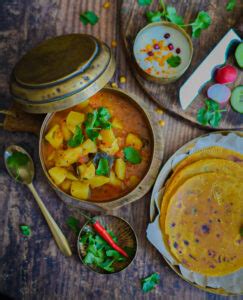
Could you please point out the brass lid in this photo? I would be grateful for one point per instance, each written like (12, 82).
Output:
(61, 72)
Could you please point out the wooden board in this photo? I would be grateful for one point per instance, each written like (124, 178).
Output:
(167, 96)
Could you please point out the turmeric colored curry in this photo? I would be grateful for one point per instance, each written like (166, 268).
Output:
(98, 150)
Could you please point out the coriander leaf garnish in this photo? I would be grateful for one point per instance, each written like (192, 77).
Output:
(230, 5)
(174, 61)
(89, 17)
(25, 230)
(144, 2)
(16, 160)
(148, 283)
(73, 224)
(210, 114)
(202, 21)
(241, 231)
(171, 15)
(103, 167)
(132, 155)
(77, 138)
(153, 16)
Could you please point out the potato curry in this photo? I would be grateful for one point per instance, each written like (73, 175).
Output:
(98, 150)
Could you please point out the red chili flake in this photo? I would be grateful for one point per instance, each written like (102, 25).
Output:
(171, 47)
(150, 53)
(167, 35)
(178, 50)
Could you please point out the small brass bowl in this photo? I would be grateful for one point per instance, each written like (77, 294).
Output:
(126, 239)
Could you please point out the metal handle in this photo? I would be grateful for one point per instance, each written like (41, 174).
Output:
(56, 231)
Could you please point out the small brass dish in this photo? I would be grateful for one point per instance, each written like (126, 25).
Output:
(127, 240)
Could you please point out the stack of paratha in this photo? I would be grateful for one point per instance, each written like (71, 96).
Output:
(201, 216)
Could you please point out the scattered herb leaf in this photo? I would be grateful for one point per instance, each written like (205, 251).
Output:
(132, 155)
(230, 5)
(25, 230)
(202, 21)
(144, 2)
(174, 61)
(100, 155)
(77, 138)
(153, 16)
(241, 231)
(103, 167)
(172, 16)
(149, 283)
(16, 160)
(89, 17)
(210, 114)
(73, 224)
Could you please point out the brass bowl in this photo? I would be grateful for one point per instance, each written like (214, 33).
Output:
(126, 238)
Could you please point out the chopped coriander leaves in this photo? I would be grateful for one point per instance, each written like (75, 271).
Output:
(132, 155)
(25, 230)
(203, 21)
(73, 224)
(172, 16)
(230, 5)
(16, 160)
(210, 114)
(241, 231)
(174, 61)
(103, 167)
(77, 138)
(153, 16)
(89, 17)
(144, 2)
(148, 283)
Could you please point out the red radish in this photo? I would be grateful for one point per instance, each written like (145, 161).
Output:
(226, 74)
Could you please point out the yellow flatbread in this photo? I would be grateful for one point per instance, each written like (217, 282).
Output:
(203, 224)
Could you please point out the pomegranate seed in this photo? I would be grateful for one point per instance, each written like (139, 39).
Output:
(170, 46)
(178, 50)
(150, 53)
(156, 46)
(167, 35)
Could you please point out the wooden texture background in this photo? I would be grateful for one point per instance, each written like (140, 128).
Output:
(168, 95)
(33, 268)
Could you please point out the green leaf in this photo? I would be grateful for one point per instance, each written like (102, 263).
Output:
(201, 116)
(132, 155)
(241, 231)
(149, 283)
(202, 21)
(210, 114)
(215, 119)
(174, 61)
(153, 16)
(77, 138)
(89, 17)
(230, 5)
(25, 230)
(171, 14)
(103, 167)
(73, 224)
(17, 159)
(144, 2)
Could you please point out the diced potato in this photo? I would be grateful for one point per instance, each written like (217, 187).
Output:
(66, 185)
(117, 124)
(107, 136)
(133, 180)
(82, 105)
(134, 141)
(64, 158)
(57, 174)
(80, 190)
(55, 136)
(89, 147)
(120, 168)
(86, 171)
(74, 118)
(71, 176)
(98, 181)
(110, 150)
(114, 180)
(67, 134)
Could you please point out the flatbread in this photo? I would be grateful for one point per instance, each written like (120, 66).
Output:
(203, 222)
(220, 166)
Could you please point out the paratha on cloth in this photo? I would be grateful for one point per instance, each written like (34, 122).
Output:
(203, 224)
(220, 166)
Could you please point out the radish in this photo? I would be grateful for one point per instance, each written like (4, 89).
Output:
(226, 74)
(219, 93)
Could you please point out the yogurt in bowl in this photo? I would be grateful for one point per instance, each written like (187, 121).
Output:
(162, 51)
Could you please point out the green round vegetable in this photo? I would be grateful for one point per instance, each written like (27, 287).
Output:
(236, 99)
(239, 55)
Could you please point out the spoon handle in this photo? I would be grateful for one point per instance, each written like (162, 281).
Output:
(56, 231)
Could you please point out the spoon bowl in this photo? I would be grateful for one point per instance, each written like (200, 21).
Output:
(25, 173)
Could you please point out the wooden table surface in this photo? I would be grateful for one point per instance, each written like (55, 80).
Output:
(33, 268)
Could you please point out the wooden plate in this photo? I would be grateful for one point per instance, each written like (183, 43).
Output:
(162, 177)
(167, 96)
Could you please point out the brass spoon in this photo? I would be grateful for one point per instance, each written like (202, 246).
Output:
(24, 174)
